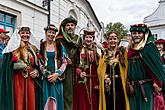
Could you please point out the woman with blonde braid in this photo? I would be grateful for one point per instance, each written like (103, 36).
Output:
(19, 70)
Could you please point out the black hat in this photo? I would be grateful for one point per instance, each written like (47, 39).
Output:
(139, 28)
(51, 27)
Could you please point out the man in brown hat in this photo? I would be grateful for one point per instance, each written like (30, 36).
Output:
(71, 42)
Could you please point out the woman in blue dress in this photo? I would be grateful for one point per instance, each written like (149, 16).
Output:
(52, 84)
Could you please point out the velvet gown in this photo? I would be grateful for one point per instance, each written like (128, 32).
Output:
(82, 98)
(86, 91)
(120, 98)
(53, 90)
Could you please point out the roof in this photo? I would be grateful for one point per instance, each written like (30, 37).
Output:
(93, 13)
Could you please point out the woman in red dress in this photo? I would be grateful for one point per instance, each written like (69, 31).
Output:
(19, 72)
(86, 93)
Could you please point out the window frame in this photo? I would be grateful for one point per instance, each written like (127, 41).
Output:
(4, 22)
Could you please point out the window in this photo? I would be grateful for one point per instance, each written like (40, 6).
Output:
(1, 17)
(7, 22)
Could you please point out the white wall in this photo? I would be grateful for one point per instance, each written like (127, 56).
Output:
(159, 31)
(34, 17)
(156, 21)
(31, 13)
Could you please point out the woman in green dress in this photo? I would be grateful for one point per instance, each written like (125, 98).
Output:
(52, 85)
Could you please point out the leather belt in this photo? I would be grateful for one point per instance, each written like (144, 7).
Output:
(140, 83)
(91, 76)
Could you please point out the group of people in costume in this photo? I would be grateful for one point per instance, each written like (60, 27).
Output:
(64, 71)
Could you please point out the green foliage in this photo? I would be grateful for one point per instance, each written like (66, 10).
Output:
(118, 28)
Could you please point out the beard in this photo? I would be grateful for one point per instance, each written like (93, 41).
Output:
(137, 40)
(70, 32)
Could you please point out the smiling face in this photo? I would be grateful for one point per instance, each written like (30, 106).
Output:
(88, 39)
(137, 37)
(113, 40)
(70, 28)
(25, 36)
(159, 46)
(50, 35)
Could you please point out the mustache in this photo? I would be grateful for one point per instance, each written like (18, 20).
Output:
(70, 29)
(136, 37)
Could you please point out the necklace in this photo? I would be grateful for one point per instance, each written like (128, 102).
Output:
(50, 48)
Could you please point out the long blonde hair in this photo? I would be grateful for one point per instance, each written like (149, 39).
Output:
(21, 52)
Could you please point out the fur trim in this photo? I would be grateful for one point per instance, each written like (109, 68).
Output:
(22, 51)
(43, 50)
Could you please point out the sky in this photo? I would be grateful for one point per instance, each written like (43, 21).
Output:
(125, 11)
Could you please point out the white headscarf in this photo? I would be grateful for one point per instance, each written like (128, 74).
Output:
(15, 41)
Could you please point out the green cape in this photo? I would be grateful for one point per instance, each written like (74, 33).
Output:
(138, 70)
(6, 84)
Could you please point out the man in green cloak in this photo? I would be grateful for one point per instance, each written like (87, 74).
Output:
(145, 70)
(71, 42)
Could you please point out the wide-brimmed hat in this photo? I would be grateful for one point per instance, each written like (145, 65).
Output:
(69, 19)
(51, 27)
(3, 31)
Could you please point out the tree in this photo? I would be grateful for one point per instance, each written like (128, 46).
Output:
(118, 28)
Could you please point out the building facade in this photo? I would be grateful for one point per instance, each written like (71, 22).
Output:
(156, 21)
(15, 13)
